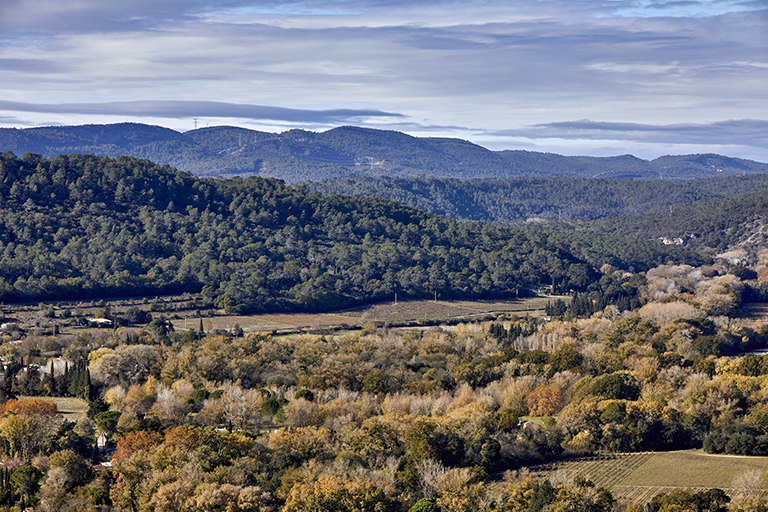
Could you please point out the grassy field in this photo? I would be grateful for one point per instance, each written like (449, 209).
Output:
(72, 408)
(637, 477)
(425, 309)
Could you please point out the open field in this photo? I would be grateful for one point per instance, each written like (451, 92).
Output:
(390, 312)
(267, 322)
(637, 477)
(184, 315)
(418, 309)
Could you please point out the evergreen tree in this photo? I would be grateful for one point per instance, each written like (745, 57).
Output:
(10, 371)
(63, 382)
(557, 308)
(49, 382)
(87, 388)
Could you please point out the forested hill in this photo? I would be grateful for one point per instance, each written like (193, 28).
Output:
(86, 226)
(299, 155)
(548, 198)
(718, 224)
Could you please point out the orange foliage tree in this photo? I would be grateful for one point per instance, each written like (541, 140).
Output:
(545, 401)
(131, 465)
(32, 407)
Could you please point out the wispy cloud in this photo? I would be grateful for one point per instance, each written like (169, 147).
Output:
(192, 109)
(748, 132)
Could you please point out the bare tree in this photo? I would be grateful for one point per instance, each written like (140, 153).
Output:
(749, 485)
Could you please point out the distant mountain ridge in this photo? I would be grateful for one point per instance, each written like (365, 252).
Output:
(300, 155)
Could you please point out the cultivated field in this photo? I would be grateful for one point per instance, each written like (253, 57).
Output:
(412, 311)
(426, 309)
(185, 315)
(267, 322)
(754, 313)
(637, 477)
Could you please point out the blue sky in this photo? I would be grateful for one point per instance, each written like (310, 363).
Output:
(587, 77)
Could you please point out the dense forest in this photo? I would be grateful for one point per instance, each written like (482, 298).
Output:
(515, 199)
(301, 155)
(87, 226)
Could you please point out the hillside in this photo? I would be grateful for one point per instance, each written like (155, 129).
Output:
(86, 226)
(513, 199)
(716, 224)
(300, 155)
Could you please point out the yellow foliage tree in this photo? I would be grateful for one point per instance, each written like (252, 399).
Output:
(25, 423)
(334, 494)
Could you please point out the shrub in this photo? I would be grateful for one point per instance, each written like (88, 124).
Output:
(425, 505)
(616, 386)
(305, 394)
(270, 407)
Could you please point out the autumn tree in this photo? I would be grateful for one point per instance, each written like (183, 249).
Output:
(333, 494)
(25, 423)
(131, 464)
(545, 401)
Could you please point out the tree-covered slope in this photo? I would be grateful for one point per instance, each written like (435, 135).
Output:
(112, 139)
(548, 198)
(716, 224)
(88, 226)
(300, 155)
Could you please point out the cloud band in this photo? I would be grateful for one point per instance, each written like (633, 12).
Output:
(748, 132)
(192, 109)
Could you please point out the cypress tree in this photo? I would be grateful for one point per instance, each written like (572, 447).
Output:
(53, 380)
(74, 380)
(8, 379)
(64, 384)
(87, 389)
(78, 381)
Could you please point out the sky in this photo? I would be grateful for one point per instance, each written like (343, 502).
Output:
(575, 77)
